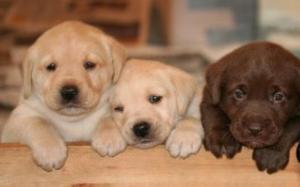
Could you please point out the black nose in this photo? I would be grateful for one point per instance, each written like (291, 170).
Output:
(69, 93)
(255, 128)
(141, 129)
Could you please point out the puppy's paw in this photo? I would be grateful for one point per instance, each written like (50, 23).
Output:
(108, 142)
(222, 142)
(270, 159)
(183, 143)
(50, 155)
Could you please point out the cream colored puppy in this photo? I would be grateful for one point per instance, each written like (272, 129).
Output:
(68, 73)
(153, 103)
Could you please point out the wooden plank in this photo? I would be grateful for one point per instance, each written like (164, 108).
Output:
(134, 167)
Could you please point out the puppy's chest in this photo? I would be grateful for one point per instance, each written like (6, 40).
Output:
(81, 130)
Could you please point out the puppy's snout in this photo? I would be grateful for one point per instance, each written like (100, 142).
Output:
(255, 128)
(69, 92)
(141, 129)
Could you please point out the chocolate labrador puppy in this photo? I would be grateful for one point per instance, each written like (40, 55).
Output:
(251, 98)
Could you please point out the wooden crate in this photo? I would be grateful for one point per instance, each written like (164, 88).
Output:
(135, 167)
(127, 20)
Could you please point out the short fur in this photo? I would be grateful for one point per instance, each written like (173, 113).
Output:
(175, 119)
(41, 120)
(250, 95)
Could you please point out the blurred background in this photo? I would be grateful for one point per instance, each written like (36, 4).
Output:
(188, 34)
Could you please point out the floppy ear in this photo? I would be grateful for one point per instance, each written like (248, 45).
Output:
(185, 86)
(118, 56)
(27, 76)
(214, 80)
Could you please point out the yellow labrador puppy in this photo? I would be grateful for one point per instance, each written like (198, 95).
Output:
(68, 73)
(153, 103)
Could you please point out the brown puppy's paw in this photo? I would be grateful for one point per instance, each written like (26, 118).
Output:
(270, 159)
(108, 142)
(222, 142)
(50, 155)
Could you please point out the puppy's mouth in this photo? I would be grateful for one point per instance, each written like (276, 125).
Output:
(260, 143)
(145, 143)
(72, 105)
(72, 109)
(256, 142)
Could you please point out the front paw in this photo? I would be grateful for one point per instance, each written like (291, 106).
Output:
(183, 143)
(222, 142)
(108, 142)
(50, 155)
(270, 159)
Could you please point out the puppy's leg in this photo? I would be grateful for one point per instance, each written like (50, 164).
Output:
(107, 139)
(48, 149)
(218, 138)
(275, 157)
(186, 138)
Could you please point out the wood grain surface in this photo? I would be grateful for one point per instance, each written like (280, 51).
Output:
(134, 167)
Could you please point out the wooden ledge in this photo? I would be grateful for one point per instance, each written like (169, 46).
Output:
(135, 167)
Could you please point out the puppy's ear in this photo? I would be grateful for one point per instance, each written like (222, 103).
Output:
(214, 80)
(118, 56)
(185, 87)
(27, 76)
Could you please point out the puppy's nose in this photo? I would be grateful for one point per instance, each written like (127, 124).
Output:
(141, 129)
(255, 128)
(69, 92)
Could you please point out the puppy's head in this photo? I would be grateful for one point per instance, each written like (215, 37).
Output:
(257, 87)
(70, 66)
(148, 100)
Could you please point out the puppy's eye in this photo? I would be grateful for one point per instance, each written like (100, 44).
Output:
(88, 65)
(154, 99)
(278, 97)
(239, 94)
(119, 109)
(51, 67)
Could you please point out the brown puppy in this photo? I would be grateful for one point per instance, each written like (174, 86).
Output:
(250, 95)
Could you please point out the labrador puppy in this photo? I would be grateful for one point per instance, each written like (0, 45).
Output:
(153, 103)
(68, 73)
(249, 98)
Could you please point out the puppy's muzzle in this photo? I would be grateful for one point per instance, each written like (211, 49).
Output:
(141, 129)
(69, 93)
(257, 128)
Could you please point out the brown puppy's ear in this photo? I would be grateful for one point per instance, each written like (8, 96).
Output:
(27, 76)
(118, 56)
(185, 87)
(214, 80)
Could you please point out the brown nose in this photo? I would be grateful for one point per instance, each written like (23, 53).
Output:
(69, 93)
(255, 128)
